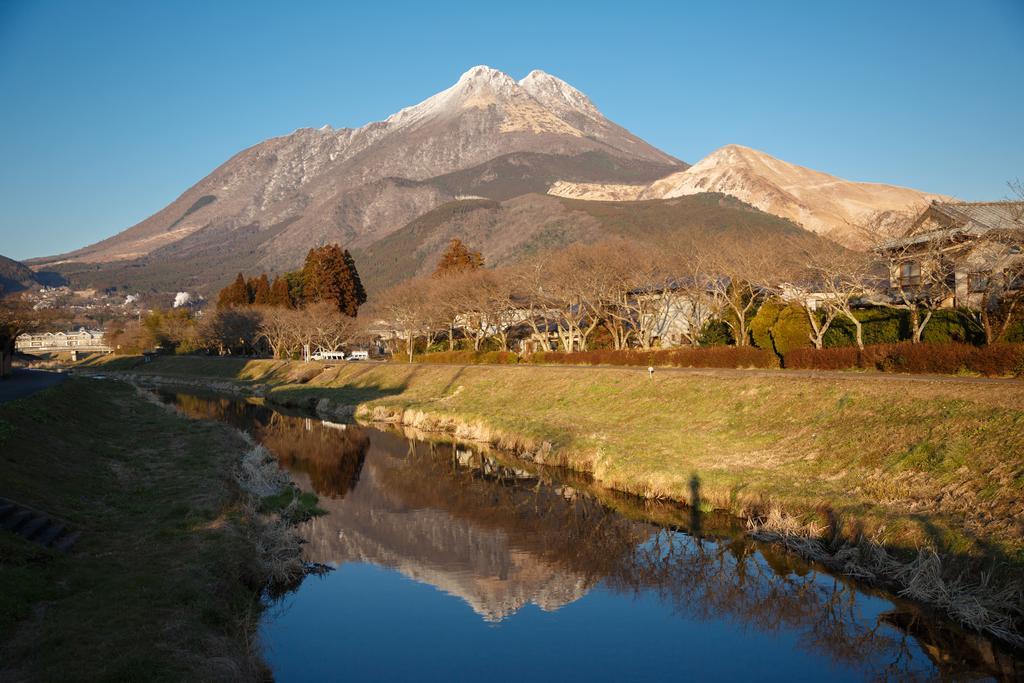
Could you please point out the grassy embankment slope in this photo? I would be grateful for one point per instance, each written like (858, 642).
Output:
(161, 585)
(919, 462)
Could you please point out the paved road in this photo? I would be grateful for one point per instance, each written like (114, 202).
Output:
(24, 383)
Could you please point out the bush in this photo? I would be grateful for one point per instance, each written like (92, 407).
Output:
(780, 328)
(953, 326)
(880, 326)
(761, 325)
(715, 333)
(992, 361)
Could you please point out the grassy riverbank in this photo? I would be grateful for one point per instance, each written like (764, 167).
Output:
(910, 461)
(164, 582)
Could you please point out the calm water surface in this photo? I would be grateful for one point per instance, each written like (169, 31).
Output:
(457, 564)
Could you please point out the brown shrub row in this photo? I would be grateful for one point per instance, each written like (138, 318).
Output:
(708, 357)
(993, 360)
(469, 357)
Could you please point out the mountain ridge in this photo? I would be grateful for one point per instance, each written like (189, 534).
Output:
(333, 184)
(820, 202)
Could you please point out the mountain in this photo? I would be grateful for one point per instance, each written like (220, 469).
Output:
(15, 276)
(509, 230)
(817, 201)
(488, 136)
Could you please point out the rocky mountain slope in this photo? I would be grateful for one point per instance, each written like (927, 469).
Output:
(476, 155)
(487, 135)
(817, 201)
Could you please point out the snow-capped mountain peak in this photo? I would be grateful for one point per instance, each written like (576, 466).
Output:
(557, 95)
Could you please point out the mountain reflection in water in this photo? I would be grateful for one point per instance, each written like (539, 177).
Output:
(499, 535)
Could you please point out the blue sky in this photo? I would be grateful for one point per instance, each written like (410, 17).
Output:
(111, 110)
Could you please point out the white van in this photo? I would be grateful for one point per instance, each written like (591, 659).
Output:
(359, 355)
(328, 355)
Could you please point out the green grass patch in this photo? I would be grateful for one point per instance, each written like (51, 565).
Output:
(305, 503)
(158, 587)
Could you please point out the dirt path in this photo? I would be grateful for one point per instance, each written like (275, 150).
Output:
(830, 375)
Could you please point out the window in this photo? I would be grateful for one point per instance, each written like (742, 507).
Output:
(910, 274)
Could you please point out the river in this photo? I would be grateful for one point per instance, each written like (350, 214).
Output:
(452, 562)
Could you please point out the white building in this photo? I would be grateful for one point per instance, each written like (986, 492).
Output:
(51, 342)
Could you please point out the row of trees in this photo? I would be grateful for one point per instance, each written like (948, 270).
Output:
(328, 275)
(276, 330)
(629, 295)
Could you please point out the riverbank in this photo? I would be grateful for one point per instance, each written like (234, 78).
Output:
(165, 582)
(905, 463)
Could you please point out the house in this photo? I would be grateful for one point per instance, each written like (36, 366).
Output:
(54, 342)
(965, 254)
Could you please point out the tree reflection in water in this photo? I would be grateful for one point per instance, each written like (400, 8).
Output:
(499, 533)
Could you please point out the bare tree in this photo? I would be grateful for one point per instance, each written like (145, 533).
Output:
(689, 298)
(741, 275)
(997, 279)
(922, 276)
(573, 292)
(16, 318)
(836, 279)
(329, 329)
(230, 330)
(406, 308)
(278, 329)
(530, 289)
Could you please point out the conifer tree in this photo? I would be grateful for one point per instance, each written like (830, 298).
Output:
(235, 294)
(279, 295)
(329, 274)
(261, 291)
(457, 258)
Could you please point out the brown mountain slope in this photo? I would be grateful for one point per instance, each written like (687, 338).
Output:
(817, 201)
(206, 258)
(507, 231)
(15, 276)
(356, 185)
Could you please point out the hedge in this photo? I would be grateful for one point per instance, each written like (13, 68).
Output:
(992, 361)
(712, 357)
(892, 325)
(468, 357)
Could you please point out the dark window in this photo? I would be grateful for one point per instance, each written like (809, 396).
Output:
(910, 274)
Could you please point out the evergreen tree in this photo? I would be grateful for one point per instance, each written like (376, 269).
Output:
(261, 291)
(329, 274)
(279, 295)
(235, 294)
(457, 258)
(250, 288)
(359, 291)
(296, 287)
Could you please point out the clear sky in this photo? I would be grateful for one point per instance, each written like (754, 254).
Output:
(111, 109)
